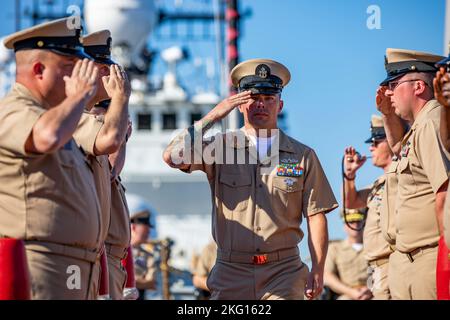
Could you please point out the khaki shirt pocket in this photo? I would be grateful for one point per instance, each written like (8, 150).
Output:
(287, 194)
(235, 190)
(405, 176)
(71, 167)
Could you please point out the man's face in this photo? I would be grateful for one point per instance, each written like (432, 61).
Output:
(140, 232)
(381, 153)
(402, 93)
(55, 67)
(262, 111)
(354, 229)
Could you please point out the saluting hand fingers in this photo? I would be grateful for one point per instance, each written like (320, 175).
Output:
(112, 73)
(83, 67)
(118, 72)
(94, 75)
(90, 68)
(76, 68)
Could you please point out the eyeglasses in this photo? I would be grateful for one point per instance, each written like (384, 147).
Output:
(394, 84)
(375, 143)
(142, 220)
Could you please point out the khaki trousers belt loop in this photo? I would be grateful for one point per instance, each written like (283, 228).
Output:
(65, 250)
(414, 252)
(379, 262)
(258, 258)
(116, 251)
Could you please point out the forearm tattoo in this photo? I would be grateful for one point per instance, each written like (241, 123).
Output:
(195, 131)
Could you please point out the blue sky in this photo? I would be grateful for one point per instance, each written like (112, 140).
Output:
(336, 64)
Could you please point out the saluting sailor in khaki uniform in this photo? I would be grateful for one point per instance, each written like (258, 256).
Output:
(376, 248)
(421, 171)
(346, 266)
(98, 135)
(47, 194)
(258, 205)
(104, 134)
(442, 91)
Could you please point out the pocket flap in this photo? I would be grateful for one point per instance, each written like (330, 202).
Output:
(288, 184)
(235, 180)
(404, 164)
(393, 167)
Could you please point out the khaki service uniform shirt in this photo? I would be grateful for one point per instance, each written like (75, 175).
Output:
(349, 265)
(421, 171)
(261, 213)
(375, 246)
(85, 136)
(119, 232)
(387, 209)
(44, 197)
(206, 261)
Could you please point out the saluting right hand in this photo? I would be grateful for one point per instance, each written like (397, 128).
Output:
(228, 104)
(352, 162)
(117, 83)
(383, 102)
(441, 84)
(83, 80)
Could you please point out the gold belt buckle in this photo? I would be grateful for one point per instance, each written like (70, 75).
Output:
(260, 259)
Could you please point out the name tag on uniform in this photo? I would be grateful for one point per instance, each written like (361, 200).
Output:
(289, 170)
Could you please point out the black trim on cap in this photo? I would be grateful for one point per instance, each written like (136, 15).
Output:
(71, 53)
(101, 53)
(270, 85)
(67, 45)
(378, 133)
(396, 69)
(142, 220)
(66, 42)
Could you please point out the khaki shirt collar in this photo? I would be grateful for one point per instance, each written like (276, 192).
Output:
(23, 91)
(285, 142)
(421, 117)
(380, 180)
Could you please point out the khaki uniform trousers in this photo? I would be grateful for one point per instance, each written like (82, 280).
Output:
(378, 280)
(58, 277)
(414, 280)
(281, 280)
(117, 277)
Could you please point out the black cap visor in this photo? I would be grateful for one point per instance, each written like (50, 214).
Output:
(71, 53)
(397, 69)
(100, 53)
(258, 85)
